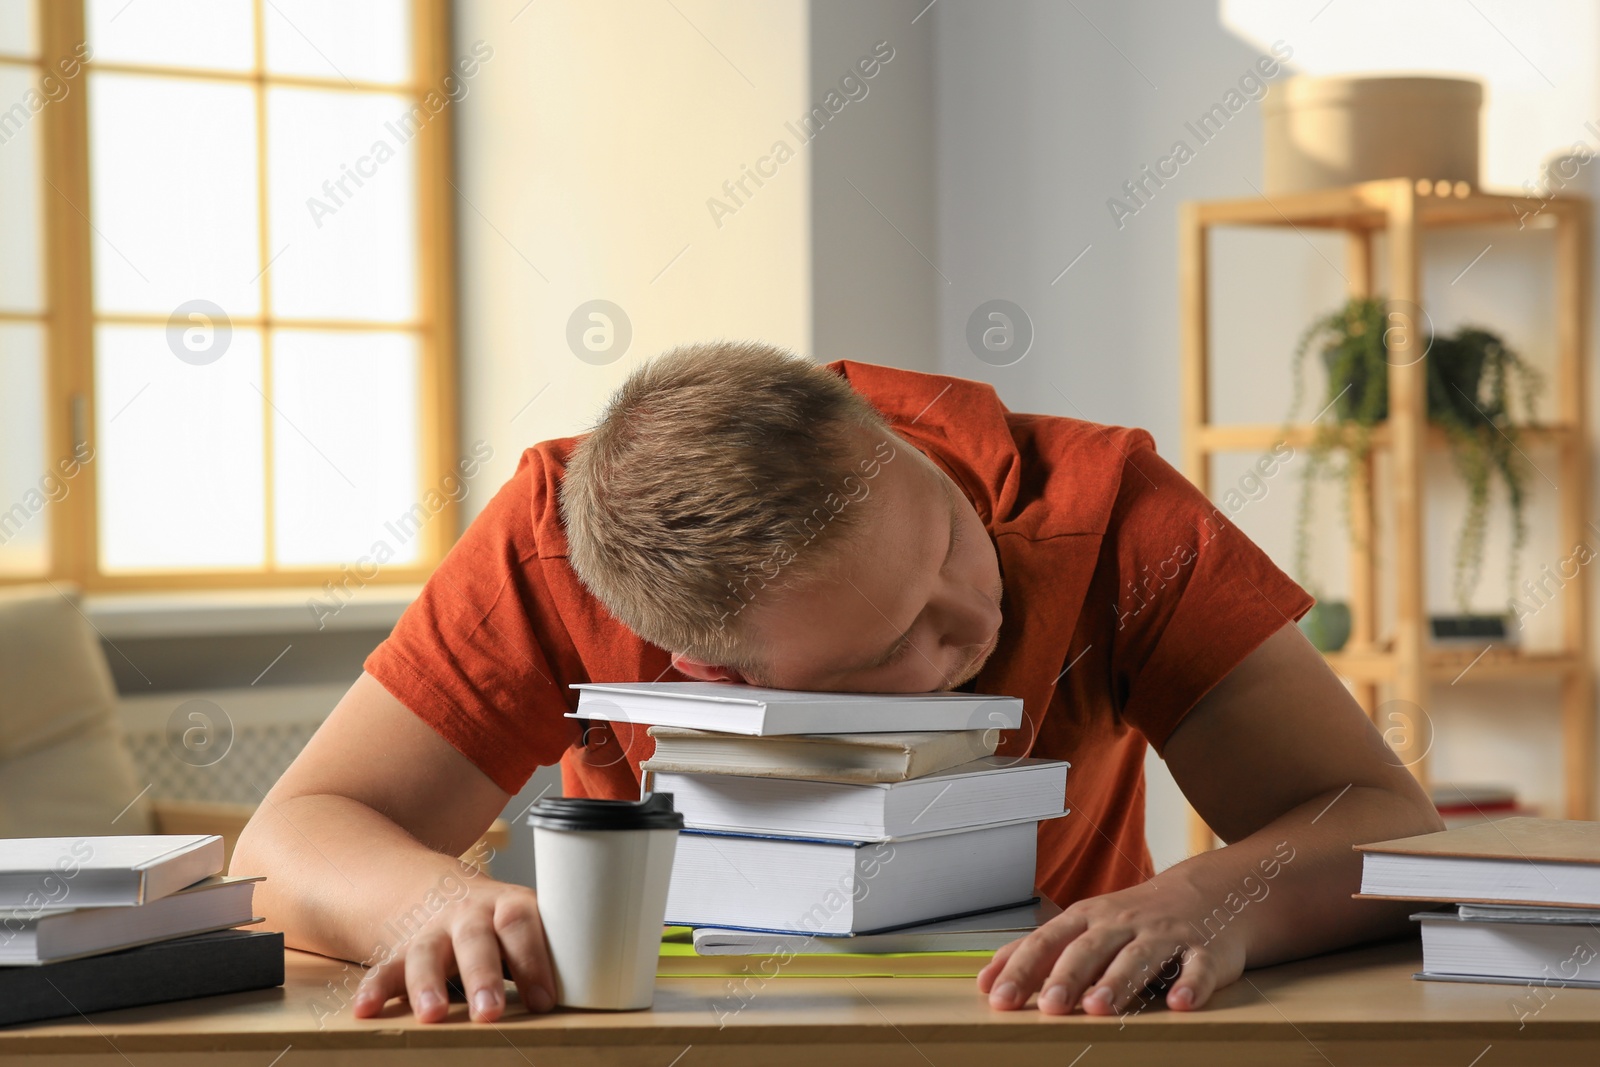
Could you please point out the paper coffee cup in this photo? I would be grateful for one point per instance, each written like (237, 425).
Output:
(601, 871)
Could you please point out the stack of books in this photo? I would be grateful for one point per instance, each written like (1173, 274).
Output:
(1463, 805)
(838, 815)
(95, 923)
(1525, 896)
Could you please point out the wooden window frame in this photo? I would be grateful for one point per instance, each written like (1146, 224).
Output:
(69, 317)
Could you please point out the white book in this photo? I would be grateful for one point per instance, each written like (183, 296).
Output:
(1488, 881)
(32, 936)
(751, 710)
(984, 932)
(817, 757)
(84, 872)
(1551, 862)
(988, 790)
(1529, 913)
(1563, 953)
(800, 885)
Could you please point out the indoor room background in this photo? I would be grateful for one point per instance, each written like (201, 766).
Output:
(622, 177)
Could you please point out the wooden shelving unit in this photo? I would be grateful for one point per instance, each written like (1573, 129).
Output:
(1403, 660)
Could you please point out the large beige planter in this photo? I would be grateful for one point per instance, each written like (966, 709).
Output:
(1324, 132)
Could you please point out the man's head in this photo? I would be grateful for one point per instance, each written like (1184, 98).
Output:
(748, 511)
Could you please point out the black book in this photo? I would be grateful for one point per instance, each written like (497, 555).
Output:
(228, 961)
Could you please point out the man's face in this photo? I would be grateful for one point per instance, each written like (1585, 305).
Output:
(909, 601)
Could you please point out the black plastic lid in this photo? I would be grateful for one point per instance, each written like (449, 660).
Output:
(654, 812)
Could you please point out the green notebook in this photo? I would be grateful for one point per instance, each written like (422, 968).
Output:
(679, 960)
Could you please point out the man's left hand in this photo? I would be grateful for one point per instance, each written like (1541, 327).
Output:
(1105, 951)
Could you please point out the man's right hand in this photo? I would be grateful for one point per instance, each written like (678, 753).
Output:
(365, 827)
(493, 923)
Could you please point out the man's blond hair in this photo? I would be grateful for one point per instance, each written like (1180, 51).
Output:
(717, 472)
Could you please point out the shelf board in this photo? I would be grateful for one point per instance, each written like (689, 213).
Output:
(1239, 437)
(1365, 207)
(1452, 665)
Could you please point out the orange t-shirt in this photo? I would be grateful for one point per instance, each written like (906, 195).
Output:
(1127, 597)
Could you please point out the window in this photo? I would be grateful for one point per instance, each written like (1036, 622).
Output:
(225, 319)
(24, 325)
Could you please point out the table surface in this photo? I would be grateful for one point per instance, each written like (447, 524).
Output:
(1348, 1001)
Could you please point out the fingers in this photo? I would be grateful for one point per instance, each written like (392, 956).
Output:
(1202, 973)
(1122, 986)
(1033, 959)
(381, 984)
(1061, 981)
(990, 970)
(428, 962)
(477, 952)
(521, 937)
(499, 930)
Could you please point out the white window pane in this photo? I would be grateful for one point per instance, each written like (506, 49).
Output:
(179, 452)
(173, 176)
(212, 34)
(27, 485)
(16, 28)
(354, 40)
(345, 449)
(20, 264)
(342, 195)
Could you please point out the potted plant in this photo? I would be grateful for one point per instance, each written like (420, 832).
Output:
(1472, 377)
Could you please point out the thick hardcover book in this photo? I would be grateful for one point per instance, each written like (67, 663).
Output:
(1551, 862)
(993, 789)
(229, 961)
(746, 709)
(851, 758)
(828, 886)
(1558, 946)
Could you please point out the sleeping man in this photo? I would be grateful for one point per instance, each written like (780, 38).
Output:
(743, 515)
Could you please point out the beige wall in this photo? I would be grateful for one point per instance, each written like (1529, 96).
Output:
(588, 146)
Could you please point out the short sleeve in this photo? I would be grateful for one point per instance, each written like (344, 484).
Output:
(1193, 595)
(472, 656)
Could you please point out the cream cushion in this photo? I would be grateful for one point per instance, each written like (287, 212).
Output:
(63, 768)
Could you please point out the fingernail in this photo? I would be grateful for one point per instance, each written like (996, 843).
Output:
(1005, 994)
(1098, 999)
(539, 1000)
(484, 1002)
(427, 1000)
(1182, 998)
(1054, 999)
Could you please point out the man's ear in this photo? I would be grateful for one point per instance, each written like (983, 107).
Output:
(702, 671)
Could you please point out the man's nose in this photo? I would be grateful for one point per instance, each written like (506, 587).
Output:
(968, 618)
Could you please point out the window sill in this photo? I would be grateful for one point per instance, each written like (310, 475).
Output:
(244, 611)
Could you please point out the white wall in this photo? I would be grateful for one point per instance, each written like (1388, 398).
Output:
(1538, 60)
(875, 296)
(1045, 109)
(1040, 121)
(978, 166)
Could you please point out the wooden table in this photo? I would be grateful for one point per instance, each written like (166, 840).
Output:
(1359, 1007)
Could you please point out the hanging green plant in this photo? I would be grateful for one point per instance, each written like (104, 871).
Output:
(1353, 352)
(1472, 376)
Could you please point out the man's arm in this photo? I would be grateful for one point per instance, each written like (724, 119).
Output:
(359, 839)
(1282, 763)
